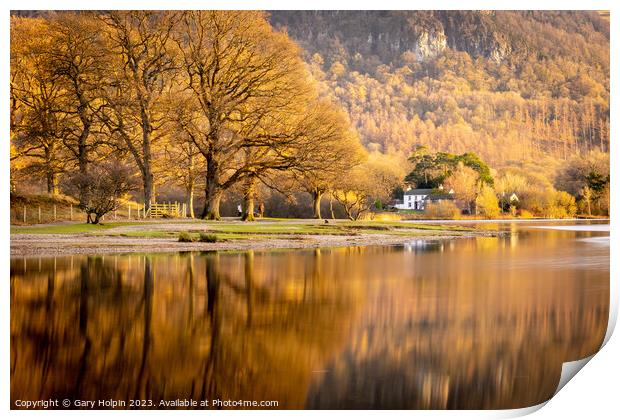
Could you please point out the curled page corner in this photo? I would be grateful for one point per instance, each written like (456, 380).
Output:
(570, 369)
(613, 309)
(520, 412)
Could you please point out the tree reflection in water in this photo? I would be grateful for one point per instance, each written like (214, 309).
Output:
(377, 327)
(140, 332)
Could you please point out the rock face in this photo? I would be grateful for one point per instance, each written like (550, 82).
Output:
(430, 45)
(390, 34)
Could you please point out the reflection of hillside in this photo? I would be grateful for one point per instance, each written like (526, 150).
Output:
(202, 326)
(446, 333)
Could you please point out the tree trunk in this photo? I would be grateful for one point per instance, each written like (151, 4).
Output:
(190, 186)
(147, 175)
(190, 199)
(82, 161)
(147, 179)
(331, 206)
(213, 197)
(248, 200)
(317, 194)
(213, 191)
(52, 182)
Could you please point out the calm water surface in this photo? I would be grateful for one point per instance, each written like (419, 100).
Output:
(465, 323)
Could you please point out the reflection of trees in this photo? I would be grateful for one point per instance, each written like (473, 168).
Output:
(83, 324)
(227, 326)
(263, 343)
(147, 303)
(58, 335)
(447, 333)
(435, 330)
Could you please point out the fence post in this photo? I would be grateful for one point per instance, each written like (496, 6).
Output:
(71, 212)
(54, 212)
(114, 214)
(39, 214)
(24, 214)
(128, 211)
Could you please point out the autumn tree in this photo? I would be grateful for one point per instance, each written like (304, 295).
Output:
(299, 144)
(586, 196)
(333, 149)
(354, 193)
(101, 189)
(487, 202)
(184, 166)
(465, 183)
(592, 171)
(386, 172)
(510, 183)
(139, 79)
(77, 57)
(239, 71)
(358, 189)
(36, 94)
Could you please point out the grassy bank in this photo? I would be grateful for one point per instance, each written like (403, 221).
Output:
(198, 235)
(267, 227)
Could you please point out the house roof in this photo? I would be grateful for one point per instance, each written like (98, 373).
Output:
(419, 191)
(441, 196)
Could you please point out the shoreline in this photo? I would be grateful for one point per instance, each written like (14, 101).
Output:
(161, 236)
(45, 245)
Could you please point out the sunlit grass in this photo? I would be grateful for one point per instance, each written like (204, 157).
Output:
(63, 229)
(272, 227)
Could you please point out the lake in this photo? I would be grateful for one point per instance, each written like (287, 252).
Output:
(470, 323)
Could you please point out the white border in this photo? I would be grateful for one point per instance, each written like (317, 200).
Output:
(592, 394)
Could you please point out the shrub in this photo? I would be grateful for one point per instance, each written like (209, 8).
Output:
(444, 209)
(208, 237)
(524, 214)
(185, 237)
(487, 203)
(513, 210)
(560, 205)
(101, 189)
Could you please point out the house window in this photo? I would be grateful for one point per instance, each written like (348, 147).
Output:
(409, 205)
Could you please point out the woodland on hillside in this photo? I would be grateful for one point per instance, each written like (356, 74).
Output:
(509, 86)
(288, 108)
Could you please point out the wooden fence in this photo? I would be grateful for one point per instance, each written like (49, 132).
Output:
(33, 214)
(166, 210)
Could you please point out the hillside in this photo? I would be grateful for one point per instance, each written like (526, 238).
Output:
(510, 86)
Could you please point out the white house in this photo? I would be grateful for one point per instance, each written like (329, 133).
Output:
(415, 199)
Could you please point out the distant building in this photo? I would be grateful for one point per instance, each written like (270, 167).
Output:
(416, 199)
(508, 200)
